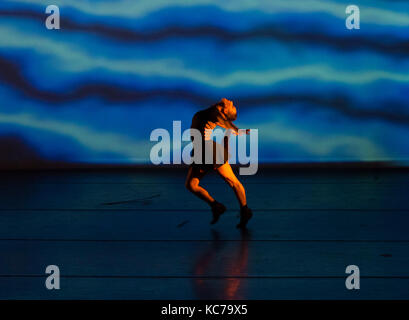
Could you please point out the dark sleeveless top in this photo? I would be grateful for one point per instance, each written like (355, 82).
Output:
(206, 119)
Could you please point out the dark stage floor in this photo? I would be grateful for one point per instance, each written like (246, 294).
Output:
(141, 235)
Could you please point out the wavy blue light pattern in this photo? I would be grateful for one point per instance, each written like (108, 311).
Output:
(93, 91)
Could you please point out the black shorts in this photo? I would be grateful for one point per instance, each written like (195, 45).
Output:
(219, 156)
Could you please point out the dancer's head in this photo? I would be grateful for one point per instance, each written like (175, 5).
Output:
(228, 109)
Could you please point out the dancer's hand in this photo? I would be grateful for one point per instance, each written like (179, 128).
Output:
(208, 134)
(209, 130)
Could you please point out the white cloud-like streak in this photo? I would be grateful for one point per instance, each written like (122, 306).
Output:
(339, 145)
(71, 58)
(140, 8)
(91, 139)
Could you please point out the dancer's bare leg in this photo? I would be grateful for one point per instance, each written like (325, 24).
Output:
(226, 172)
(192, 184)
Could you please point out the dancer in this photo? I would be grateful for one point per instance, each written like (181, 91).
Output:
(221, 114)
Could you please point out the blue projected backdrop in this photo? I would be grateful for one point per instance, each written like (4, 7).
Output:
(93, 91)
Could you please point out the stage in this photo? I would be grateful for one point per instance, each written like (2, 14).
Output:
(139, 234)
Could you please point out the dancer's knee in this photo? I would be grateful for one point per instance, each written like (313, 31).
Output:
(192, 185)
